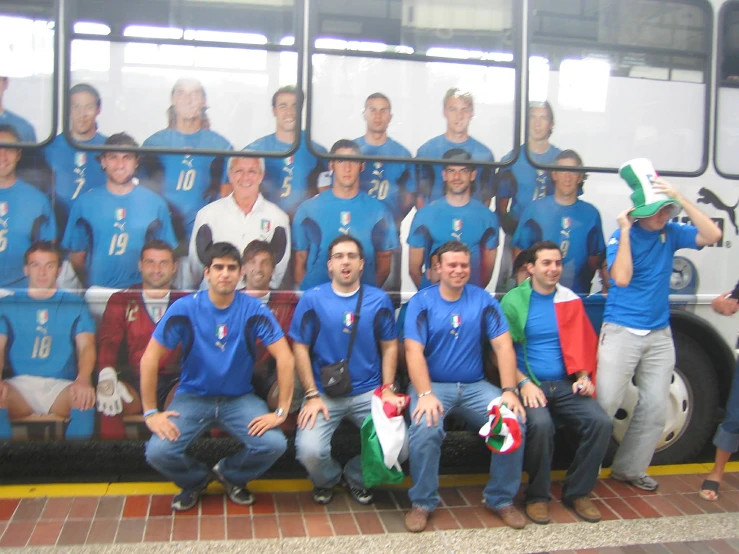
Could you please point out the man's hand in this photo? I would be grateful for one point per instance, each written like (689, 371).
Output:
(162, 426)
(263, 423)
(624, 220)
(725, 305)
(663, 187)
(583, 386)
(532, 396)
(430, 407)
(111, 393)
(82, 395)
(511, 400)
(309, 412)
(398, 401)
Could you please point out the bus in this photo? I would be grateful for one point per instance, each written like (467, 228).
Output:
(656, 79)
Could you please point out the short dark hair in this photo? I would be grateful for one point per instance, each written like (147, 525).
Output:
(345, 238)
(457, 156)
(380, 96)
(156, 244)
(523, 258)
(535, 248)
(257, 247)
(221, 250)
(10, 130)
(345, 143)
(453, 246)
(84, 87)
(287, 89)
(121, 139)
(43, 246)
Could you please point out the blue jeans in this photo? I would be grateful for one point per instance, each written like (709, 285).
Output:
(198, 414)
(594, 430)
(313, 446)
(470, 401)
(727, 434)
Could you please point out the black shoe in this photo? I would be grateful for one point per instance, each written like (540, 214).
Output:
(238, 495)
(322, 495)
(360, 495)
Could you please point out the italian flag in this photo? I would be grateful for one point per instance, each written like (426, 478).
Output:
(576, 335)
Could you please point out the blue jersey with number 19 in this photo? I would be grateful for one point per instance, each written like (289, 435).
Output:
(41, 333)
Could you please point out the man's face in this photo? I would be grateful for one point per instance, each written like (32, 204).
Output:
(157, 268)
(458, 114)
(245, 176)
(657, 221)
(9, 157)
(259, 271)
(566, 182)
(188, 100)
(458, 178)
(346, 172)
(540, 125)
(83, 113)
(286, 111)
(223, 275)
(42, 270)
(547, 269)
(120, 167)
(377, 115)
(454, 269)
(345, 266)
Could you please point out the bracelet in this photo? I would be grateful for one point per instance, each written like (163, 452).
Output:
(425, 393)
(149, 413)
(391, 386)
(523, 382)
(311, 391)
(514, 390)
(313, 395)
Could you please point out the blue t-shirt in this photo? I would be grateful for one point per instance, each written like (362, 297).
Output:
(286, 180)
(543, 349)
(578, 231)
(218, 345)
(25, 217)
(523, 182)
(24, 128)
(41, 333)
(387, 181)
(430, 179)
(321, 219)
(112, 229)
(644, 302)
(453, 333)
(323, 321)
(472, 224)
(187, 183)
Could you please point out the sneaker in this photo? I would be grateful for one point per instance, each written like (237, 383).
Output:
(645, 482)
(238, 495)
(360, 495)
(322, 496)
(186, 499)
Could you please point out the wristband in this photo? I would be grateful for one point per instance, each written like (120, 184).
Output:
(391, 386)
(523, 382)
(311, 391)
(425, 393)
(514, 390)
(313, 395)
(149, 413)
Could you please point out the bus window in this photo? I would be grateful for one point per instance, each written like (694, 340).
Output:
(27, 70)
(727, 92)
(625, 79)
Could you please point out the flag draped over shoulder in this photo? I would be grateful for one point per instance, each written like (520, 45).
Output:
(577, 338)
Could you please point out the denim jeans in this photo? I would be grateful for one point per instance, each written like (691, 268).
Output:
(650, 360)
(198, 414)
(727, 434)
(313, 446)
(594, 430)
(469, 401)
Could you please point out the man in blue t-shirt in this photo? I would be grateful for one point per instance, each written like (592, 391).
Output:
(322, 329)
(567, 221)
(217, 330)
(636, 340)
(459, 109)
(555, 352)
(446, 327)
(343, 210)
(25, 214)
(457, 216)
(109, 225)
(291, 180)
(48, 338)
(25, 130)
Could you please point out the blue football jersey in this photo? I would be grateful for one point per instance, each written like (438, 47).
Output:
(24, 128)
(430, 179)
(112, 229)
(439, 222)
(286, 180)
(218, 346)
(41, 333)
(453, 333)
(323, 320)
(25, 217)
(321, 219)
(577, 230)
(187, 183)
(387, 181)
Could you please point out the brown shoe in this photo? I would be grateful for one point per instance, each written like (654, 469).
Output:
(416, 519)
(510, 516)
(538, 512)
(585, 508)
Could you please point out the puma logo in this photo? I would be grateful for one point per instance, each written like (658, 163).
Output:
(706, 196)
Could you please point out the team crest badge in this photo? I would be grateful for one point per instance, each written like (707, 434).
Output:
(566, 222)
(80, 159)
(221, 331)
(266, 225)
(456, 321)
(378, 165)
(120, 213)
(348, 319)
(42, 317)
(4, 209)
(457, 225)
(346, 218)
(289, 160)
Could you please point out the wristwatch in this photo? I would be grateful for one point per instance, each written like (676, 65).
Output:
(279, 412)
(514, 390)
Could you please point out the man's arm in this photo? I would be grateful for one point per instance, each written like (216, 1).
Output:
(506, 355)
(310, 410)
(77, 259)
(301, 258)
(159, 423)
(487, 264)
(383, 260)
(418, 372)
(708, 231)
(112, 332)
(415, 265)
(622, 268)
(723, 304)
(280, 351)
(82, 392)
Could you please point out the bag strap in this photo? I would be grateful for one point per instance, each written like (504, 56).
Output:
(355, 324)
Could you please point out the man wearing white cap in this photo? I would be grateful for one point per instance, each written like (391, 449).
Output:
(636, 340)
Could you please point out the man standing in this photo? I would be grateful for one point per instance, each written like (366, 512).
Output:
(445, 328)
(322, 331)
(23, 128)
(217, 330)
(241, 217)
(457, 216)
(555, 350)
(50, 341)
(343, 210)
(636, 340)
